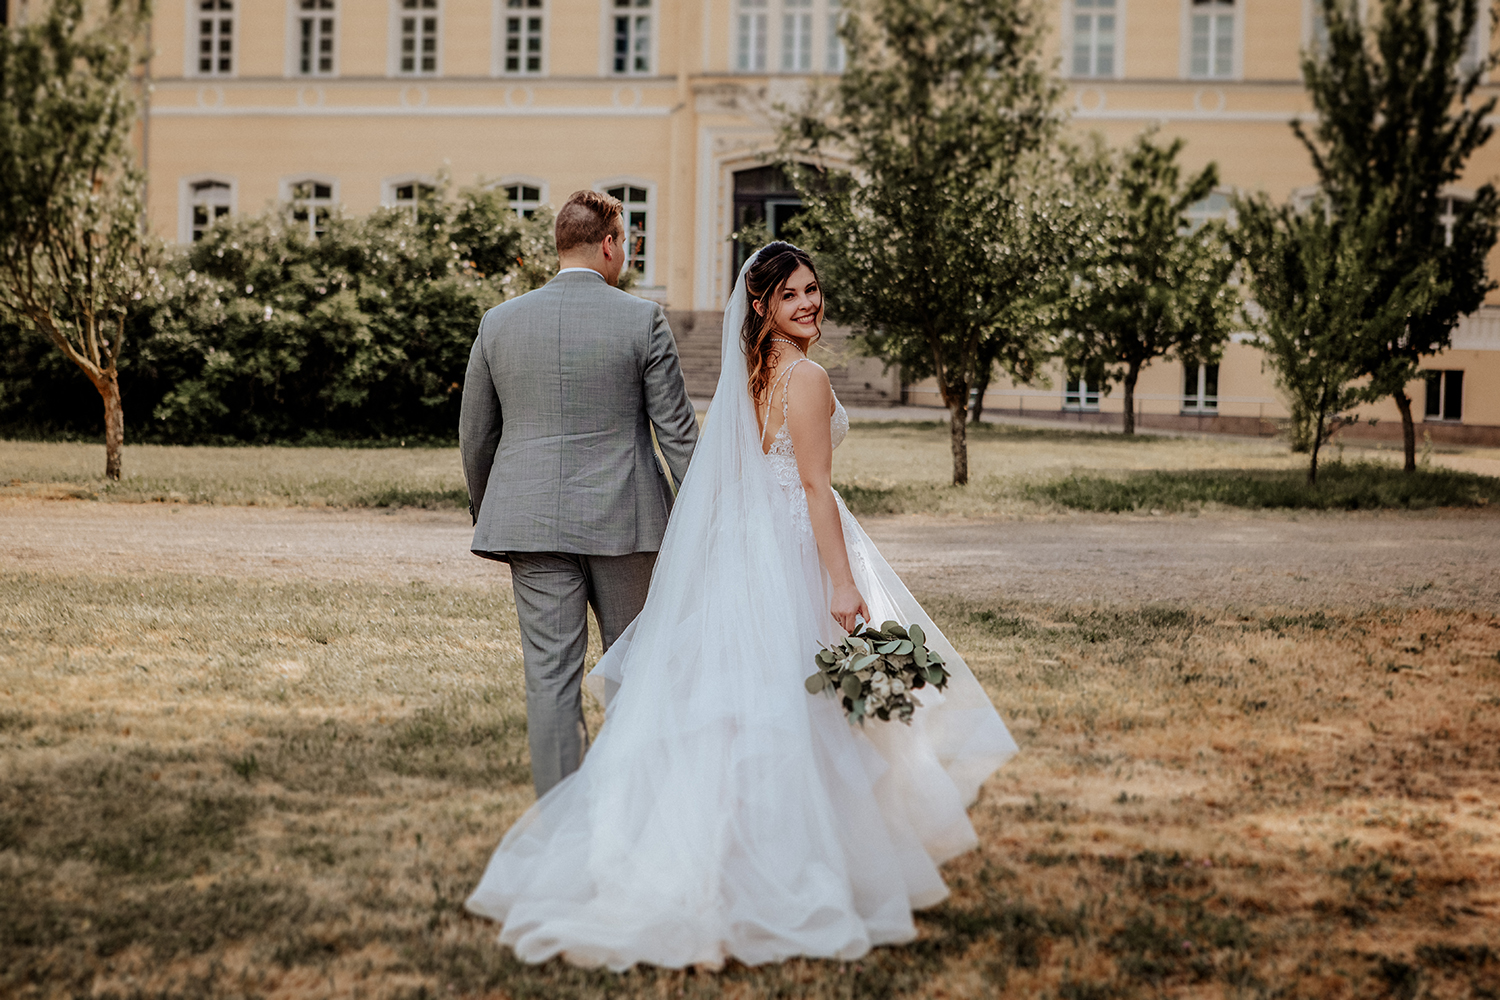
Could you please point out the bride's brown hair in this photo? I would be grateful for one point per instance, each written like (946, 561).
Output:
(766, 278)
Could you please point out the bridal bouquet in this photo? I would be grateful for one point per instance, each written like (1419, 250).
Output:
(876, 671)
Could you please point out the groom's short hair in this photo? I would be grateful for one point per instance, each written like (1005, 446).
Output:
(586, 218)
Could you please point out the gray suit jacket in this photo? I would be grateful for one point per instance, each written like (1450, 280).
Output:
(564, 385)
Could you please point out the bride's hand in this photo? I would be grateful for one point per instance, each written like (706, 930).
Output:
(847, 606)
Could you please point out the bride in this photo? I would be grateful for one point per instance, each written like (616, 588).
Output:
(723, 812)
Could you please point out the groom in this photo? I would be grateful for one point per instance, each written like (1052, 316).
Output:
(563, 388)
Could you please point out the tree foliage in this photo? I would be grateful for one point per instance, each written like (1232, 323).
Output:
(74, 258)
(937, 220)
(1148, 284)
(1321, 302)
(1398, 121)
(265, 334)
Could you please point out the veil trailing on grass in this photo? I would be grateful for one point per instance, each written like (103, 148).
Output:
(723, 811)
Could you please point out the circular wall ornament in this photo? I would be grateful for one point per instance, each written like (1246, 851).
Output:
(413, 96)
(311, 97)
(211, 96)
(1089, 99)
(627, 95)
(519, 97)
(1209, 100)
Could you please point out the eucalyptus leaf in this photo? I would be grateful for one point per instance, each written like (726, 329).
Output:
(851, 686)
(816, 683)
(863, 661)
(917, 636)
(919, 654)
(827, 656)
(893, 628)
(935, 677)
(903, 647)
(888, 647)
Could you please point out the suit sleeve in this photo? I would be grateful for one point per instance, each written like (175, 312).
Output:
(479, 426)
(667, 403)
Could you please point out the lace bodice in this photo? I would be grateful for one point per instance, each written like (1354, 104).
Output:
(783, 459)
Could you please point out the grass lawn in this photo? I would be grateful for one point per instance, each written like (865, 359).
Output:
(882, 468)
(238, 788)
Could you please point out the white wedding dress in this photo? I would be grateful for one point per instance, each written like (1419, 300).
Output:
(723, 812)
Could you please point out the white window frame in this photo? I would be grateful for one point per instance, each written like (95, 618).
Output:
(648, 274)
(1237, 46)
(185, 201)
(1480, 40)
(390, 184)
(294, 16)
(511, 180)
(1200, 403)
(751, 23)
(1198, 217)
(502, 13)
(291, 181)
(194, 15)
(651, 10)
(1070, 26)
(1444, 384)
(798, 22)
(394, 67)
(1085, 398)
(835, 57)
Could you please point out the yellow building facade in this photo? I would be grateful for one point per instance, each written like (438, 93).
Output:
(669, 104)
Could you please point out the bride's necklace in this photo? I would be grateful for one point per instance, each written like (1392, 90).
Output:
(783, 340)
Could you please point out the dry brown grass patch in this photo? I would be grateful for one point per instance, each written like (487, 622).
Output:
(214, 788)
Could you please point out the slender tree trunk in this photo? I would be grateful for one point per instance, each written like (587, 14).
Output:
(977, 410)
(114, 424)
(1313, 447)
(1408, 429)
(958, 411)
(1131, 374)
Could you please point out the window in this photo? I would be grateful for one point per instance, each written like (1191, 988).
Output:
(750, 39)
(637, 220)
(1474, 46)
(1211, 55)
(1200, 388)
(1215, 207)
(1079, 395)
(408, 194)
(419, 37)
(1445, 396)
(527, 198)
(315, 31)
(215, 34)
(208, 202)
(1093, 37)
(523, 37)
(835, 42)
(312, 204)
(796, 36)
(1448, 214)
(632, 52)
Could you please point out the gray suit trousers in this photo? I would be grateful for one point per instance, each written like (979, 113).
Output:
(554, 591)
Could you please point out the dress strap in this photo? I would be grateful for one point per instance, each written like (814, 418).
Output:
(784, 380)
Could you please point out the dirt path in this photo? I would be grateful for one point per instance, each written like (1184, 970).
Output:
(1326, 560)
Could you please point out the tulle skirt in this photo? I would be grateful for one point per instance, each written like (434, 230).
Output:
(722, 812)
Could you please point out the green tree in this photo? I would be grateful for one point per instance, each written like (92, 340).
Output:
(1149, 284)
(1398, 120)
(939, 236)
(1316, 281)
(74, 257)
(264, 334)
